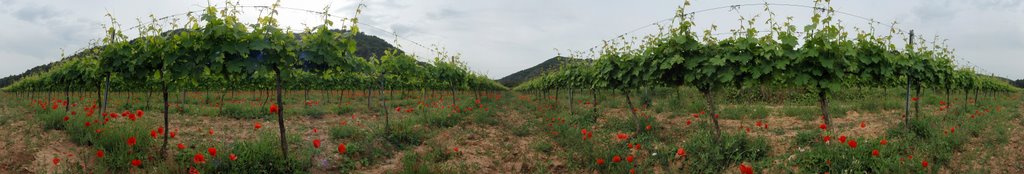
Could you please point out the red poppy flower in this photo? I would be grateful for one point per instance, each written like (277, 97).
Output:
(688, 122)
(758, 124)
(99, 154)
(181, 146)
(193, 170)
(629, 158)
(823, 126)
(341, 148)
(198, 158)
(87, 124)
(212, 151)
(616, 159)
(862, 125)
(648, 127)
(874, 152)
(73, 113)
(746, 169)
(622, 136)
(681, 152)
(695, 116)
(211, 131)
(131, 141)
(924, 163)
(316, 143)
(455, 149)
(139, 113)
(914, 99)
(852, 143)
(827, 138)
(66, 118)
(232, 157)
(56, 161)
(152, 133)
(273, 108)
(257, 125)
(398, 109)
(952, 130)
(173, 134)
(136, 162)
(884, 142)
(600, 161)
(842, 138)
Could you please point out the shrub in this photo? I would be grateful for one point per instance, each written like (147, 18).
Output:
(344, 109)
(343, 132)
(712, 157)
(239, 112)
(313, 111)
(427, 162)
(113, 140)
(52, 119)
(262, 155)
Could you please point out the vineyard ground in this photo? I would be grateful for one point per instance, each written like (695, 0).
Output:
(514, 135)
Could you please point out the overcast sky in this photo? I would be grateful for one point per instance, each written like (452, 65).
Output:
(498, 38)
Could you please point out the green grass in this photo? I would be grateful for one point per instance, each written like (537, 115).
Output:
(804, 113)
(745, 112)
(709, 156)
(344, 132)
(261, 155)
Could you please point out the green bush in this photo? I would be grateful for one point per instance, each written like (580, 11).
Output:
(427, 162)
(521, 130)
(541, 146)
(807, 137)
(262, 155)
(438, 119)
(113, 140)
(804, 113)
(313, 111)
(837, 157)
(406, 133)
(344, 109)
(744, 111)
(480, 116)
(628, 123)
(52, 119)
(710, 156)
(238, 111)
(343, 132)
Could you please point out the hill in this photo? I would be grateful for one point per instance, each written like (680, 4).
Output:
(524, 75)
(367, 46)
